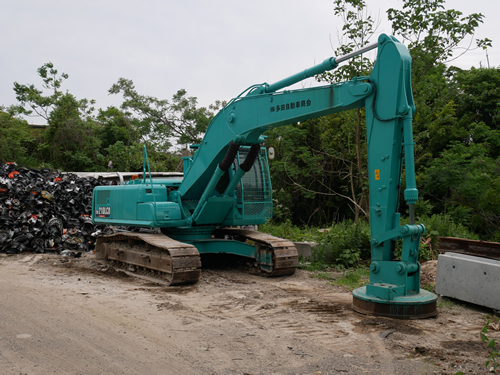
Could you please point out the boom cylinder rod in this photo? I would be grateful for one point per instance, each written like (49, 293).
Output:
(411, 192)
(328, 64)
(209, 190)
(234, 182)
(352, 54)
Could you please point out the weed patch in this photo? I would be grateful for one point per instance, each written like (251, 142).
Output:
(353, 279)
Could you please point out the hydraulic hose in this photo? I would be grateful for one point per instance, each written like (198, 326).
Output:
(250, 159)
(222, 168)
(243, 169)
(230, 155)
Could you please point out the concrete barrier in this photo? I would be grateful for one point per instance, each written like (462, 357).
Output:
(305, 249)
(469, 278)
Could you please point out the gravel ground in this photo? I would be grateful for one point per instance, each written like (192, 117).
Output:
(77, 316)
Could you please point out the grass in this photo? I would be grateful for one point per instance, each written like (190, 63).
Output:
(322, 276)
(292, 232)
(429, 287)
(445, 303)
(353, 279)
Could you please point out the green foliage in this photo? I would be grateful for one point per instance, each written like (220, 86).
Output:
(291, 232)
(445, 303)
(354, 278)
(14, 136)
(116, 126)
(302, 190)
(320, 165)
(444, 226)
(494, 357)
(70, 140)
(32, 100)
(158, 120)
(433, 32)
(75, 140)
(357, 29)
(29, 95)
(345, 245)
(464, 182)
(129, 158)
(322, 276)
(477, 103)
(315, 173)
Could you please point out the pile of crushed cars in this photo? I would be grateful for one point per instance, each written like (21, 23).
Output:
(46, 211)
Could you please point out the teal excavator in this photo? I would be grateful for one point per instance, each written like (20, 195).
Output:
(226, 186)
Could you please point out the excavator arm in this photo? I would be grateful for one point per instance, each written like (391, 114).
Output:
(387, 98)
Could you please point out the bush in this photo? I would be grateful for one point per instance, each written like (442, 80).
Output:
(291, 232)
(345, 245)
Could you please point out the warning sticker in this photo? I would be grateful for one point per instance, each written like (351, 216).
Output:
(377, 174)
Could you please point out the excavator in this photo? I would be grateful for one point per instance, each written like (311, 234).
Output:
(226, 186)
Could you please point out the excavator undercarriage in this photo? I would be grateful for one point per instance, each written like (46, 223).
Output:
(178, 263)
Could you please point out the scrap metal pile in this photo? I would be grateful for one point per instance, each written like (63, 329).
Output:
(46, 211)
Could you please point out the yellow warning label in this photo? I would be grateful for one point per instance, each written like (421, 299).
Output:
(377, 174)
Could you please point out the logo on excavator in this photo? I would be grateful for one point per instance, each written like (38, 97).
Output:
(103, 212)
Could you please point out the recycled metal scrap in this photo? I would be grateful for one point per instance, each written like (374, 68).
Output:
(42, 210)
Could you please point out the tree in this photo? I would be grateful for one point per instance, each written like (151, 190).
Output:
(161, 121)
(116, 126)
(70, 141)
(15, 136)
(312, 173)
(432, 32)
(327, 163)
(478, 99)
(464, 183)
(42, 105)
(338, 141)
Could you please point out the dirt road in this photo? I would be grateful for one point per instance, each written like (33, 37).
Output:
(76, 316)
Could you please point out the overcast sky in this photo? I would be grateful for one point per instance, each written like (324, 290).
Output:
(213, 49)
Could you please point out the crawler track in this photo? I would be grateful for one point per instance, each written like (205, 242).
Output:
(179, 263)
(283, 253)
(176, 262)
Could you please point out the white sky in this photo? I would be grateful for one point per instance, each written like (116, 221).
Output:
(213, 49)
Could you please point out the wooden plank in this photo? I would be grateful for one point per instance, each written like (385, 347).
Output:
(473, 247)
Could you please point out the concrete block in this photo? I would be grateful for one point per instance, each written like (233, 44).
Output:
(469, 278)
(305, 249)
